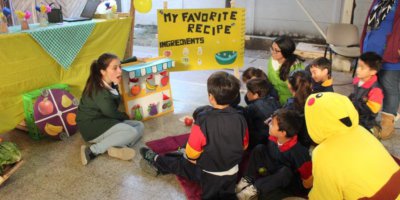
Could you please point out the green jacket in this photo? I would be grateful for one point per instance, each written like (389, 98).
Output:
(98, 114)
(279, 85)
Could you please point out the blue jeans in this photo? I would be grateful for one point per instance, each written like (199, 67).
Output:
(123, 134)
(390, 81)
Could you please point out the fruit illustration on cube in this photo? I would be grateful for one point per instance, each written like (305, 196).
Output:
(166, 102)
(66, 101)
(135, 90)
(45, 107)
(52, 129)
(71, 119)
(152, 109)
(137, 112)
(149, 85)
(165, 78)
(54, 113)
(135, 86)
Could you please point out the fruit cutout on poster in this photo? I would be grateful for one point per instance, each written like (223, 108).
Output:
(167, 53)
(137, 112)
(152, 109)
(164, 78)
(166, 102)
(135, 86)
(55, 113)
(150, 83)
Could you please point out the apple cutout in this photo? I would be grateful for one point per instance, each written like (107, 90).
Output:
(45, 107)
(188, 121)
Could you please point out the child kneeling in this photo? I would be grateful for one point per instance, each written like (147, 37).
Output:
(215, 146)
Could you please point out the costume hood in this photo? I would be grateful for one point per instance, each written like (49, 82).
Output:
(328, 114)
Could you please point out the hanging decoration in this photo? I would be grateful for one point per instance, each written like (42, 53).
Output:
(143, 6)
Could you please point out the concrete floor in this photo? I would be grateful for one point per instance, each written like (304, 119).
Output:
(52, 169)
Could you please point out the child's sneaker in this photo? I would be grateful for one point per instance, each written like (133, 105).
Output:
(148, 154)
(123, 153)
(147, 163)
(248, 193)
(86, 155)
(243, 183)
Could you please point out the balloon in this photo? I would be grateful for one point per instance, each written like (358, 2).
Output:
(143, 6)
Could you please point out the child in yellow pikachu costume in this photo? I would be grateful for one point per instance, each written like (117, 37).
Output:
(349, 162)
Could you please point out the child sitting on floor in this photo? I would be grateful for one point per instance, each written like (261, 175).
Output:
(299, 84)
(368, 96)
(321, 72)
(253, 72)
(283, 167)
(215, 145)
(261, 105)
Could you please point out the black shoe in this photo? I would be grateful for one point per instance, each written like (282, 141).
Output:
(148, 154)
(86, 155)
(148, 163)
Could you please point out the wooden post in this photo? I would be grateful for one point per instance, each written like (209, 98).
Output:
(235, 69)
(165, 4)
(129, 45)
(347, 12)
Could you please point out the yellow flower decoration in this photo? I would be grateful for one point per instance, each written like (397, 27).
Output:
(114, 8)
(20, 14)
(1, 15)
(43, 9)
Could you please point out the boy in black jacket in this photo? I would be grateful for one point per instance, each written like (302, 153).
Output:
(283, 164)
(261, 105)
(215, 145)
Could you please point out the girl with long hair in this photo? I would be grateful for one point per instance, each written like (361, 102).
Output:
(98, 118)
(300, 85)
(282, 62)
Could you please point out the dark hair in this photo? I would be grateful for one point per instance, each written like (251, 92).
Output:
(373, 60)
(258, 86)
(322, 63)
(287, 46)
(94, 83)
(288, 120)
(300, 81)
(224, 87)
(251, 72)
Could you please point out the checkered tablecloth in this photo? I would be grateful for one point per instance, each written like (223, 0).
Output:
(63, 42)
